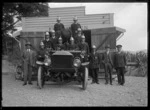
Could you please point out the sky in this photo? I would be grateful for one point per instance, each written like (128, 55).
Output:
(130, 16)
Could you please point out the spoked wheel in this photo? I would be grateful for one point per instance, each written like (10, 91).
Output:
(141, 70)
(40, 77)
(85, 78)
(19, 73)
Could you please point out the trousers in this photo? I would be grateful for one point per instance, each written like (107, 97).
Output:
(27, 72)
(108, 71)
(94, 74)
(120, 75)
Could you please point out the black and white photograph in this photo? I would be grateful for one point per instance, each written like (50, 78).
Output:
(79, 54)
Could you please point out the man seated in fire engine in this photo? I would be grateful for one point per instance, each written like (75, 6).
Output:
(60, 45)
(48, 44)
(72, 45)
(54, 38)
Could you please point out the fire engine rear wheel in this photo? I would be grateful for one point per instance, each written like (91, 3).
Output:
(40, 77)
(85, 78)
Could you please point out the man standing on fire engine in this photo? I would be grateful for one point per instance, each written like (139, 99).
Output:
(58, 27)
(77, 37)
(75, 26)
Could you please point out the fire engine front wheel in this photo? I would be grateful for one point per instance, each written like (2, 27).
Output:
(85, 78)
(40, 78)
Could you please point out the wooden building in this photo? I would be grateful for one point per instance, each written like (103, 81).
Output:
(99, 29)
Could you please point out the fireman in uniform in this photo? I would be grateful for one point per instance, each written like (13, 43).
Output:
(84, 47)
(120, 64)
(78, 36)
(54, 39)
(60, 45)
(94, 65)
(75, 26)
(72, 45)
(48, 44)
(108, 64)
(42, 50)
(58, 27)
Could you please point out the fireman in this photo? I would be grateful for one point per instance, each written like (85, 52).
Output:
(60, 45)
(54, 39)
(58, 27)
(94, 64)
(42, 50)
(72, 45)
(84, 47)
(48, 44)
(78, 36)
(75, 26)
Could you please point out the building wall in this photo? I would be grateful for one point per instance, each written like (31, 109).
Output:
(90, 21)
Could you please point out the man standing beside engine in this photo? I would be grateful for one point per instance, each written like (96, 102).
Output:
(94, 64)
(119, 64)
(108, 64)
(28, 62)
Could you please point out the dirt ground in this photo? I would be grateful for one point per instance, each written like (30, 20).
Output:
(133, 93)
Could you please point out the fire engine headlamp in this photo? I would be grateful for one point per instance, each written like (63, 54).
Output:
(77, 62)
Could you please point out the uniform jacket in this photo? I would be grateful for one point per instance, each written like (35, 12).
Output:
(120, 60)
(74, 27)
(60, 47)
(84, 46)
(94, 60)
(48, 44)
(73, 47)
(54, 41)
(77, 39)
(41, 52)
(29, 57)
(58, 27)
(107, 58)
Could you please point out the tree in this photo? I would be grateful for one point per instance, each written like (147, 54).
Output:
(13, 12)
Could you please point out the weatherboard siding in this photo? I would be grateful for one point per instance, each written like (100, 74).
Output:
(90, 21)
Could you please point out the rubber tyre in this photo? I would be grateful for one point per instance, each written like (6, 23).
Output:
(18, 73)
(85, 78)
(40, 77)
